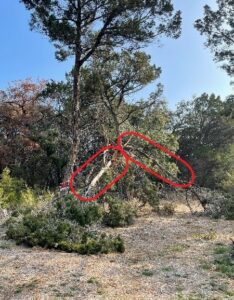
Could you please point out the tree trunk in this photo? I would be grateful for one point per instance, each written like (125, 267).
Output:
(76, 113)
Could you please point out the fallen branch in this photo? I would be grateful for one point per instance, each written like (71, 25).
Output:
(203, 202)
(97, 178)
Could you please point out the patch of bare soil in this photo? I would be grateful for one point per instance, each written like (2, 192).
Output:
(164, 259)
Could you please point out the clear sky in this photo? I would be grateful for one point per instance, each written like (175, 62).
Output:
(187, 66)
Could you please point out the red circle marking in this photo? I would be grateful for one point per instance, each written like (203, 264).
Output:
(71, 182)
(178, 185)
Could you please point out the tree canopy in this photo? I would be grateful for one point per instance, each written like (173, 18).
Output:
(218, 27)
(80, 28)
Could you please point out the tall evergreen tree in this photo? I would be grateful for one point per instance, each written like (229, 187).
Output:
(80, 27)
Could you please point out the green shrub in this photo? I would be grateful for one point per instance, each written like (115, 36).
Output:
(19, 199)
(83, 213)
(224, 262)
(50, 232)
(120, 213)
(221, 249)
(14, 193)
(147, 272)
(39, 230)
(225, 265)
(218, 203)
(95, 244)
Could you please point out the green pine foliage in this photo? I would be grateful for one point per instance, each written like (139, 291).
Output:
(83, 214)
(121, 213)
(48, 231)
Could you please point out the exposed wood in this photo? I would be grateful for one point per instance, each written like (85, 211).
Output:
(98, 177)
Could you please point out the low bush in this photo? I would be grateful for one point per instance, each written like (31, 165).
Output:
(224, 262)
(82, 213)
(94, 244)
(121, 213)
(38, 230)
(50, 232)
(218, 204)
(224, 208)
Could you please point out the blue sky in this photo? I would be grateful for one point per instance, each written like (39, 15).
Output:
(187, 66)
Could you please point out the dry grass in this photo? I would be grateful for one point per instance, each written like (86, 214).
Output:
(164, 259)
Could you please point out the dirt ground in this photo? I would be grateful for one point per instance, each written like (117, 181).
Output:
(164, 259)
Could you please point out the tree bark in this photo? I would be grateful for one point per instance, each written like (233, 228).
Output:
(76, 113)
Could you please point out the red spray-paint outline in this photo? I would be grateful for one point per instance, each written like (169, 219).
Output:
(127, 159)
(71, 182)
(178, 185)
